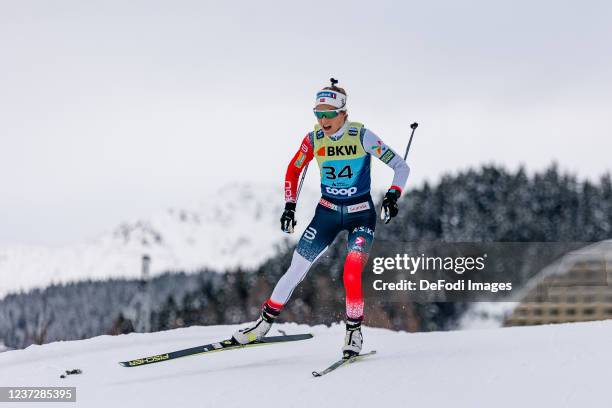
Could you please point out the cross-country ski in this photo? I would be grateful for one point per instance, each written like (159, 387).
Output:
(224, 345)
(342, 362)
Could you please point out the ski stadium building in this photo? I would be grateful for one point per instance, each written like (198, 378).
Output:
(573, 289)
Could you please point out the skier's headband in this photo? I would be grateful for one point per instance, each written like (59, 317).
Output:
(333, 98)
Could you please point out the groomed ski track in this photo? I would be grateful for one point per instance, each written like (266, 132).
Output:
(549, 366)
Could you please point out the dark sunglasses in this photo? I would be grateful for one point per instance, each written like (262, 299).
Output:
(329, 114)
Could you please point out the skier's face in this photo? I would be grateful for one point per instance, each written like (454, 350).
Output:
(330, 126)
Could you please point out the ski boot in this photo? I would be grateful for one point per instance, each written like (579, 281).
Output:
(353, 341)
(258, 329)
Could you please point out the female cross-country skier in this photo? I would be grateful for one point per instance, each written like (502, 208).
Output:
(343, 150)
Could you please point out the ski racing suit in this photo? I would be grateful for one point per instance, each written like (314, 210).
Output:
(346, 204)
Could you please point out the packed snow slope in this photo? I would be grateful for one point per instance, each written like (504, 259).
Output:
(237, 226)
(546, 366)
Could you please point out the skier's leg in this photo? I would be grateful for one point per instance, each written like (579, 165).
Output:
(361, 235)
(319, 234)
(292, 277)
(359, 244)
(316, 238)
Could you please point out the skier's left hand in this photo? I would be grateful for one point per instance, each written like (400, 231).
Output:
(389, 205)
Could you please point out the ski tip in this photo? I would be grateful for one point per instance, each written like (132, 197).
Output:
(316, 374)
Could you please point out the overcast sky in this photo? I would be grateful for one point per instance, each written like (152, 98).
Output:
(112, 110)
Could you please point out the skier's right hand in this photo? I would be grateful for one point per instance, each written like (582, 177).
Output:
(288, 218)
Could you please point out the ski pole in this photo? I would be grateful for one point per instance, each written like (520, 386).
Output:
(297, 195)
(301, 182)
(385, 216)
(413, 127)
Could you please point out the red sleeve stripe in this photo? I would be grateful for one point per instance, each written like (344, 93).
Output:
(303, 156)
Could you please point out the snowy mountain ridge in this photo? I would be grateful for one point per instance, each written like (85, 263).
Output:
(236, 227)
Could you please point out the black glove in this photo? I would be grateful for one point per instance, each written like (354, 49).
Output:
(389, 205)
(288, 218)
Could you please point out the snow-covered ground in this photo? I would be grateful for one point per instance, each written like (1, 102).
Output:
(546, 366)
(236, 226)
